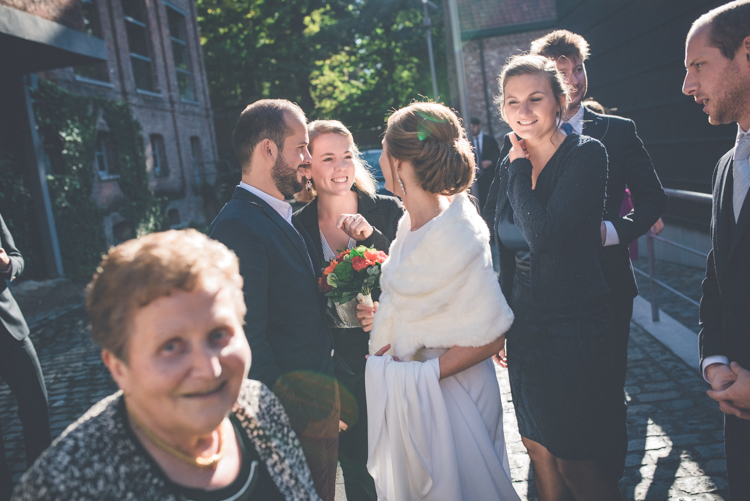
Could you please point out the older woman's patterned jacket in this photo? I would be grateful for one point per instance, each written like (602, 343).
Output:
(96, 459)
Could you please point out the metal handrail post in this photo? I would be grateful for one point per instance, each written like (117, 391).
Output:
(651, 276)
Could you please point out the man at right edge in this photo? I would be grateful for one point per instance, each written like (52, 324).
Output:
(717, 60)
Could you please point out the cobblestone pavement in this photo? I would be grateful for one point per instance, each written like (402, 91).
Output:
(675, 430)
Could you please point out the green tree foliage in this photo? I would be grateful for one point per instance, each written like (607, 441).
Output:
(79, 221)
(350, 60)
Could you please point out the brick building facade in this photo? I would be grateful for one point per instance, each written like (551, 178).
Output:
(154, 62)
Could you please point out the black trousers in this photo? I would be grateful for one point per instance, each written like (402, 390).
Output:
(737, 448)
(19, 367)
(352, 346)
(616, 443)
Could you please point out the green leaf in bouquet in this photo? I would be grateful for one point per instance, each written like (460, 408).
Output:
(331, 279)
(344, 271)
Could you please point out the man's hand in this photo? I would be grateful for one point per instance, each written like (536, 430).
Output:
(365, 315)
(355, 225)
(4, 260)
(735, 398)
(486, 164)
(720, 376)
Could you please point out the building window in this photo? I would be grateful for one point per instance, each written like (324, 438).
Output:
(92, 26)
(158, 157)
(104, 162)
(178, 37)
(139, 44)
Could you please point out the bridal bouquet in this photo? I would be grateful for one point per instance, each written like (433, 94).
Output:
(353, 275)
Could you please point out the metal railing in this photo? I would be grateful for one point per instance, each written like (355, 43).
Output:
(650, 237)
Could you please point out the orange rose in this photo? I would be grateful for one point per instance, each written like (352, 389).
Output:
(376, 256)
(331, 267)
(360, 263)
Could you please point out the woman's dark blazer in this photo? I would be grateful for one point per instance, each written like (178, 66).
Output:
(381, 211)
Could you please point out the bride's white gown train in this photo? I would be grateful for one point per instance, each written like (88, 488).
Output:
(436, 440)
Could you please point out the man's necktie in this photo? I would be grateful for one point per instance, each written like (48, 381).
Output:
(741, 173)
(567, 128)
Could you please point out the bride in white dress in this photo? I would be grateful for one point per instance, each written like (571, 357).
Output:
(435, 424)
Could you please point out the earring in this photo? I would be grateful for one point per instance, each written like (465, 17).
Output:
(308, 184)
(403, 190)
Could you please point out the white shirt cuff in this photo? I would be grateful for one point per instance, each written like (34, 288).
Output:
(612, 237)
(715, 359)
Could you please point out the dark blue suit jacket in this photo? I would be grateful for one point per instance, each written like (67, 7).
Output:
(724, 311)
(292, 347)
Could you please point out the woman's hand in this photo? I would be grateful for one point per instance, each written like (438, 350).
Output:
(519, 149)
(501, 359)
(382, 352)
(342, 426)
(354, 225)
(365, 315)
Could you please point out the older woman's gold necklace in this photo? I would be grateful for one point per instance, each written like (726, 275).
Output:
(176, 453)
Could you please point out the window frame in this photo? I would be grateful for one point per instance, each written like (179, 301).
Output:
(147, 58)
(181, 72)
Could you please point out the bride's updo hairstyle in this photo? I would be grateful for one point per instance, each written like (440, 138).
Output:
(531, 64)
(430, 137)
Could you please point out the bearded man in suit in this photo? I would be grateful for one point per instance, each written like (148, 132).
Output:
(717, 59)
(285, 324)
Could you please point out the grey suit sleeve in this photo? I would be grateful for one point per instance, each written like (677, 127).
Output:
(649, 199)
(16, 259)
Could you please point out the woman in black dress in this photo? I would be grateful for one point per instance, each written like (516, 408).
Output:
(548, 216)
(345, 212)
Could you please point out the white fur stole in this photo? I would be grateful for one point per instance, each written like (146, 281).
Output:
(445, 292)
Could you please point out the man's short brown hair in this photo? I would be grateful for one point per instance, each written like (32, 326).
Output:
(264, 119)
(137, 272)
(561, 43)
(729, 25)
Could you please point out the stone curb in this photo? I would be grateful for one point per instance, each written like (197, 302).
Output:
(676, 337)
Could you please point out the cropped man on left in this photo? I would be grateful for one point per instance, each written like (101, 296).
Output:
(19, 365)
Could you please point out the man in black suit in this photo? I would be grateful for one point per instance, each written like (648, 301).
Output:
(487, 152)
(285, 322)
(717, 58)
(19, 365)
(629, 166)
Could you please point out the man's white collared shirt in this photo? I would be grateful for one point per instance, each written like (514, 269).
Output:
(283, 207)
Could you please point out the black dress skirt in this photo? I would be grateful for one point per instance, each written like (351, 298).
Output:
(556, 362)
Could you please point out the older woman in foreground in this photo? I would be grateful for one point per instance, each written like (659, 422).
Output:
(167, 311)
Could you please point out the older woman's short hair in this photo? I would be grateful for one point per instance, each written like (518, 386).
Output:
(137, 272)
